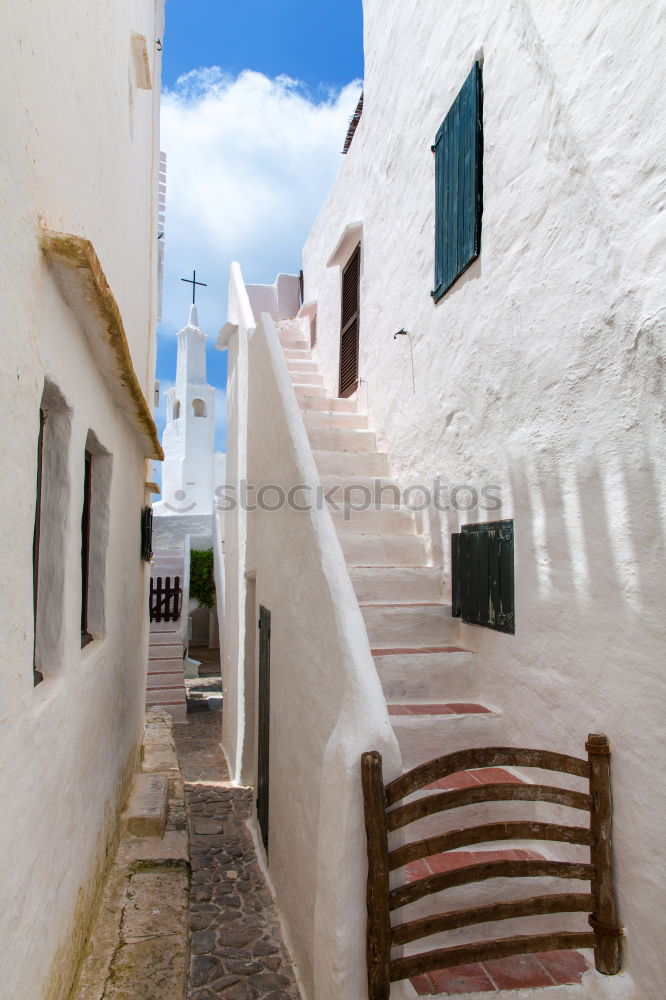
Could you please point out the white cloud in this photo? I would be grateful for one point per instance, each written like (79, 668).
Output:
(250, 160)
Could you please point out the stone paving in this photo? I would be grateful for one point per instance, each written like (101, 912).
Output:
(237, 951)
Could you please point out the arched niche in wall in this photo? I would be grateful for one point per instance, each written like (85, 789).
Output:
(198, 408)
(176, 409)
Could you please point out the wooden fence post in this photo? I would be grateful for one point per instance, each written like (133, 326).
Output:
(379, 919)
(604, 919)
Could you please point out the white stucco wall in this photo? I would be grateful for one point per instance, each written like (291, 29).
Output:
(281, 300)
(79, 155)
(540, 370)
(232, 516)
(327, 706)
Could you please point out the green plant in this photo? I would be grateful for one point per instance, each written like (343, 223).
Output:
(202, 578)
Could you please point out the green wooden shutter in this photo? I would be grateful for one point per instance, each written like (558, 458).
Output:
(482, 575)
(458, 153)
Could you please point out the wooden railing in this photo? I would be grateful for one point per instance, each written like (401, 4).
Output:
(385, 812)
(165, 599)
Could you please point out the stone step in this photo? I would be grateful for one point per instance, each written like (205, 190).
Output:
(164, 679)
(341, 439)
(146, 809)
(294, 354)
(165, 651)
(292, 342)
(538, 975)
(164, 634)
(439, 674)
(410, 625)
(349, 463)
(478, 813)
(374, 585)
(306, 378)
(384, 492)
(480, 893)
(383, 550)
(320, 401)
(304, 391)
(386, 520)
(302, 365)
(425, 731)
(330, 418)
(166, 696)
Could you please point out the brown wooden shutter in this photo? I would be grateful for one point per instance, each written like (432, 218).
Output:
(351, 276)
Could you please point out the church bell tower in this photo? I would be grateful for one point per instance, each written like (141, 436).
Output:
(189, 435)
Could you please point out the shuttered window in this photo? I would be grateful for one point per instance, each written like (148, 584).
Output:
(458, 153)
(482, 575)
(351, 276)
(86, 637)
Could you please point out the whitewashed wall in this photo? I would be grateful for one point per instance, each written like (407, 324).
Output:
(541, 370)
(327, 706)
(326, 703)
(79, 154)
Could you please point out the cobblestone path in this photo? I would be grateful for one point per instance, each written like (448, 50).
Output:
(237, 952)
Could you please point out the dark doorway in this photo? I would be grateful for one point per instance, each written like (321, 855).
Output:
(264, 718)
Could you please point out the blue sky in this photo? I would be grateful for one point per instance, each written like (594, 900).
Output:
(316, 42)
(256, 100)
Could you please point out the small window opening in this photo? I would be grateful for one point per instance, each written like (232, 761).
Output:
(176, 409)
(50, 532)
(198, 408)
(37, 675)
(86, 637)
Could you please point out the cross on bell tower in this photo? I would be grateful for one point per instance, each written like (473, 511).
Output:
(193, 282)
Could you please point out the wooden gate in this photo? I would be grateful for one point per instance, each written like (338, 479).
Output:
(165, 599)
(264, 721)
(385, 812)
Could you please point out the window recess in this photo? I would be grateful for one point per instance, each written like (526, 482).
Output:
(86, 637)
(349, 324)
(458, 150)
(482, 575)
(37, 675)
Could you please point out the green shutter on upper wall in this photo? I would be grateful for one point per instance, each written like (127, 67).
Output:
(458, 153)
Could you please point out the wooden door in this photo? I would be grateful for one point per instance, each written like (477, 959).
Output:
(349, 327)
(264, 719)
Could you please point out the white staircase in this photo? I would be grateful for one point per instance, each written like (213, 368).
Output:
(428, 677)
(165, 685)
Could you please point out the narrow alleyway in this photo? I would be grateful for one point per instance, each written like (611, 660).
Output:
(237, 951)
